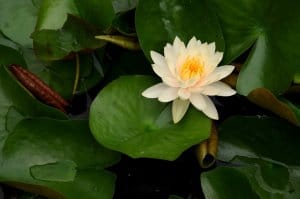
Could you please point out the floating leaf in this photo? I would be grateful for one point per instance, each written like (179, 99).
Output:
(259, 179)
(76, 35)
(159, 22)
(271, 27)
(36, 142)
(53, 13)
(44, 146)
(123, 120)
(264, 137)
(99, 13)
(18, 19)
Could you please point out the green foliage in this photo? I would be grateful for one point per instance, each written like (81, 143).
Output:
(45, 151)
(123, 120)
(169, 19)
(270, 29)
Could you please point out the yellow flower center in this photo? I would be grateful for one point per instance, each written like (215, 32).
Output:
(192, 67)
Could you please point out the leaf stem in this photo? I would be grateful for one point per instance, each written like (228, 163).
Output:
(77, 74)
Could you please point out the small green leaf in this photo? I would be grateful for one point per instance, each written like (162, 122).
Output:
(76, 35)
(160, 21)
(62, 171)
(123, 120)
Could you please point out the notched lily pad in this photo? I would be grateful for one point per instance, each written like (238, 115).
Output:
(271, 28)
(123, 120)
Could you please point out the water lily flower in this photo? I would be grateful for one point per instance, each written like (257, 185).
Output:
(189, 75)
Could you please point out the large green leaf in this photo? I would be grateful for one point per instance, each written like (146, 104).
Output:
(160, 21)
(17, 20)
(123, 120)
(262, 136)
(271, 27)
(60, 156)
(58, 159)
(259, 179)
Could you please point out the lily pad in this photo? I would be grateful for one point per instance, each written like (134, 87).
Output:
(271, 29)
(53, 13)
(160, 21)
(18, 19)
(38, 143)
(264, 137)
(123, 120)
(76, 35)
(247, 181)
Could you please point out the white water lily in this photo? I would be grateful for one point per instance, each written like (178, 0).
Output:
(189, 75)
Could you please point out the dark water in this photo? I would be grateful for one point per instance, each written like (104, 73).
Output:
(157, 179)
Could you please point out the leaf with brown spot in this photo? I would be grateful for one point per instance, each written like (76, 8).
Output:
(267, 100)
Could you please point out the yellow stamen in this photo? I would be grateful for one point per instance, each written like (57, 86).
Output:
(191, 68)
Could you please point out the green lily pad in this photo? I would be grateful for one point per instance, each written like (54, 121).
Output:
(31, 148)
(160, 21)
(18, 19)
(76, 35)
(53, 13)
(123, 120)
(64, 149)
(271, 27)
(99, 13)
(247, 181)
(264, 137)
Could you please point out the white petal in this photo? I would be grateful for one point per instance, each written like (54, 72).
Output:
(161, 71)
(154, 91)
(184, 94)
(170, 81)
(168, 94)
(210, 109)
(218, 88)
(178, 46)
(171, 58)
(158, 59)
(212, 47)
(218, 74)
(179, 108)
(192, 43)
(198, 101)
